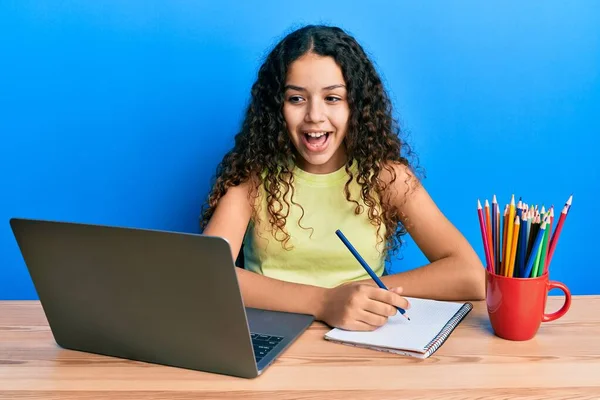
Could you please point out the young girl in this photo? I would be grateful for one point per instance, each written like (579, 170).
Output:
(319, 151)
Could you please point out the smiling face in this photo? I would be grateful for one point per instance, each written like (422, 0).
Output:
(316, 112)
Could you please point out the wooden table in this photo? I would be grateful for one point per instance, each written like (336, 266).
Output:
(562, 361)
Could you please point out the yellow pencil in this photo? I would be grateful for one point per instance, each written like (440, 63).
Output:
(513, 252)
(509, 233)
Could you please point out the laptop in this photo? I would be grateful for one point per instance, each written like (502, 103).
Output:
(154, 296)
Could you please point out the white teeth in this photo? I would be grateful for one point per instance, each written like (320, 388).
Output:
(315, 134)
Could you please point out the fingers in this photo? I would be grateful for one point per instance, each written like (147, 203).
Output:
(379, 308)
(360, 326)
(371, 320)
(389, 297)
(397, 290)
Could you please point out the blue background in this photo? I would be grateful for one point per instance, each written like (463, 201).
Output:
(117, 112)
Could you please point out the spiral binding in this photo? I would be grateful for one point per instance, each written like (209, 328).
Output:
(441, 337)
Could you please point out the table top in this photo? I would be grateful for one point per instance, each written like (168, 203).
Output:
(563, 360)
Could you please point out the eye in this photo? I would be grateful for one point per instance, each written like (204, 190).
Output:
(332, 99)
(295, 99)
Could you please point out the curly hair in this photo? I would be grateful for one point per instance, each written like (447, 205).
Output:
(263, 150)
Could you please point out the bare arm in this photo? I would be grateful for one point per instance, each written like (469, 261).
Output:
(455, 272)
(351, 306)
(230, 221)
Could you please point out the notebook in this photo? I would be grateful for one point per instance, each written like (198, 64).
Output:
(431, 323)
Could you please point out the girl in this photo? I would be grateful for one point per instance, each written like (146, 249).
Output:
(319, 151)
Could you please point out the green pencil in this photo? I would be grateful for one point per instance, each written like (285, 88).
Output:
(536, 263)
(544, 246)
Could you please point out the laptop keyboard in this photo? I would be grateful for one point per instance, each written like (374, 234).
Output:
(263, 344)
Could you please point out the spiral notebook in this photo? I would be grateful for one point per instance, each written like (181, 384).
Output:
(431, 323)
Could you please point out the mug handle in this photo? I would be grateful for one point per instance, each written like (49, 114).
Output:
(564, 308)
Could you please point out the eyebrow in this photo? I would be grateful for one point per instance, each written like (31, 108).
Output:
(301, 89)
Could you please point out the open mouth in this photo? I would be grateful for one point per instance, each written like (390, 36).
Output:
(316, 141)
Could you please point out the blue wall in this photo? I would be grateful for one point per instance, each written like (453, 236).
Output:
(117, 112)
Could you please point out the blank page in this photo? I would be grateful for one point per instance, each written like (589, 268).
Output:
(427, 319)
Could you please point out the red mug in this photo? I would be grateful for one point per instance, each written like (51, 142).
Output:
(516, 306)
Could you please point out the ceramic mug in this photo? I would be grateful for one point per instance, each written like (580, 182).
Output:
(516, 306)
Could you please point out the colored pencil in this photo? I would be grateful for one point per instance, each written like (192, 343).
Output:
(520, 242)
(534, 250)
(484, 236)
(488, 230)
(535, 227)
(364, 264)
(541, 268)
(529, 218)
(497, 265)
(538, 254)
(549, 234)
(494, 235)
(559, 226)
(509, 235)
(517, 242)
(504, 228)
(522, 246)
(511, 262)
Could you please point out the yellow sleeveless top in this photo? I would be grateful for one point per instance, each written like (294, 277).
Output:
(315, 255)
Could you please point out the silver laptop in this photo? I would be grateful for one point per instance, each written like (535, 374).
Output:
(160, 297)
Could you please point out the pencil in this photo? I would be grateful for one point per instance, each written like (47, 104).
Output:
(484, 237)
(541, 268)
(534, 250)
(366, 266)
(549, 234)
(504, 228)
(522, 246)
(488, 230)
(513, 252)
(529, 221)
(517, 240)
(497, 243)
(559, 225)
(535, 225)
(536, 265)
(538, 255)
(494, 248)
(509, 234)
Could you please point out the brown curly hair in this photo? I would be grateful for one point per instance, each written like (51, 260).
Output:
(263, 150)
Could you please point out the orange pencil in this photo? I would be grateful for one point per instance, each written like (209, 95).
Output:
(513, 251)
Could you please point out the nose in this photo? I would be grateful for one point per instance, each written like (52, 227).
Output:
(315, 112)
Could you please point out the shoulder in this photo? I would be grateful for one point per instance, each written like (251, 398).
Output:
(240, 195)
(398, 179)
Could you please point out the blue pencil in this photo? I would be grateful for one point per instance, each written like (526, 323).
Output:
(366, 266)
(534, 249)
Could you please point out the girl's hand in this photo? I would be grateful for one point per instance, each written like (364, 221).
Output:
(360, 307)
